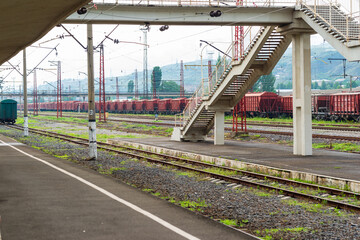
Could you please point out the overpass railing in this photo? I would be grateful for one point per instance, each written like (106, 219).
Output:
(341, 16)
(222, 68)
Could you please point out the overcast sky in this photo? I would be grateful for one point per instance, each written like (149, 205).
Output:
(167, 47)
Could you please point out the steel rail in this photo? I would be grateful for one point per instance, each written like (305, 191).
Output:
(351, 128)
(287, 192)
(322, 136)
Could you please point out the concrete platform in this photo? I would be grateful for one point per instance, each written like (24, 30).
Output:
(323, 162)
(49, 198)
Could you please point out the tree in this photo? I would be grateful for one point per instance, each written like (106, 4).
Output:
(265, 84)
(169, 86)
(156, 78)
(131, 86)
(323, 85)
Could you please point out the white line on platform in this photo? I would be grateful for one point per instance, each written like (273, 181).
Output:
(12, 144)
(116, 198)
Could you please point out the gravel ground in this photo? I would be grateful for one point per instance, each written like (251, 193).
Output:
(257, 212)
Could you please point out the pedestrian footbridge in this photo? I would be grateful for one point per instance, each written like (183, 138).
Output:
(273, 25)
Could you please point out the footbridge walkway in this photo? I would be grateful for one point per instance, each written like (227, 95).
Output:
(273, 25)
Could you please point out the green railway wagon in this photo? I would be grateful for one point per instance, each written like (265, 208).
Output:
(8, 111)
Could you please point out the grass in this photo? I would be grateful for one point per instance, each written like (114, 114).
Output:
(193, 205)
(65, 119)
(268, 233)
(342, 147)
(31, 120)
(229, 222)
(316, 207)
(221, 171)
(189, 174)
(310, 207)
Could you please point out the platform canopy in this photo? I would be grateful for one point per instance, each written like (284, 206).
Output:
(24, 22)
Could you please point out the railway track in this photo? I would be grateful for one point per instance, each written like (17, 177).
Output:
(316, 126)
(282, 133)
(234, 177)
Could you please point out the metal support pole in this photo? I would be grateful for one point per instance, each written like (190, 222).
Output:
(145, 73)
(136, 85)
(58, 88)
(91, 94)
(20, 99)
(117, 88)
(182, 92)
(153, 84)
(35, 97)
(102, 86)
(26, 125)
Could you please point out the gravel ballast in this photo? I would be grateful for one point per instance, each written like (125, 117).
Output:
(263, 214)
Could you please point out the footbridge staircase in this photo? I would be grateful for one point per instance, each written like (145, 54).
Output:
(233, 77)
(230, 81)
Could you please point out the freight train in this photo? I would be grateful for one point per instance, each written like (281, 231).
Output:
(151, 106)
(335, 107)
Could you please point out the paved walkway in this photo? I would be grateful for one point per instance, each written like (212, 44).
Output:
(42, 197)
(323, 162)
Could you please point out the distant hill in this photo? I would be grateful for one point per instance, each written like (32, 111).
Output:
(322, 69)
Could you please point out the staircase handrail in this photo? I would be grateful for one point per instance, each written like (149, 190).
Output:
(190, 106)
(313, 6)
(218, 74)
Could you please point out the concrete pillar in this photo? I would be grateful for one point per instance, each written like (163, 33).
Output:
(91, 94)
(219, 128)
(301, 51)
(26, 122)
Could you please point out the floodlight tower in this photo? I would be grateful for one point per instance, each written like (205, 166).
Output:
(153, 81)
(57, 64)
(136, 85)
(145, 30)
(35, 97)
(117, 88)
(102, 85)
(182, 93)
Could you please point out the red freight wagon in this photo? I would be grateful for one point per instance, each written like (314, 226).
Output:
(45, 106)
(151, 106)
(263, 103)
(130, 106)
(41, 106)
(65, 106)
(345, 105)
(320, 103)
(120, 106)
(84, 106)
(73, 106)
(97, 106)
(77, 106)
(164, 105)
(140, 105)
(286, 105)
(109, 106)
(177, 105)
